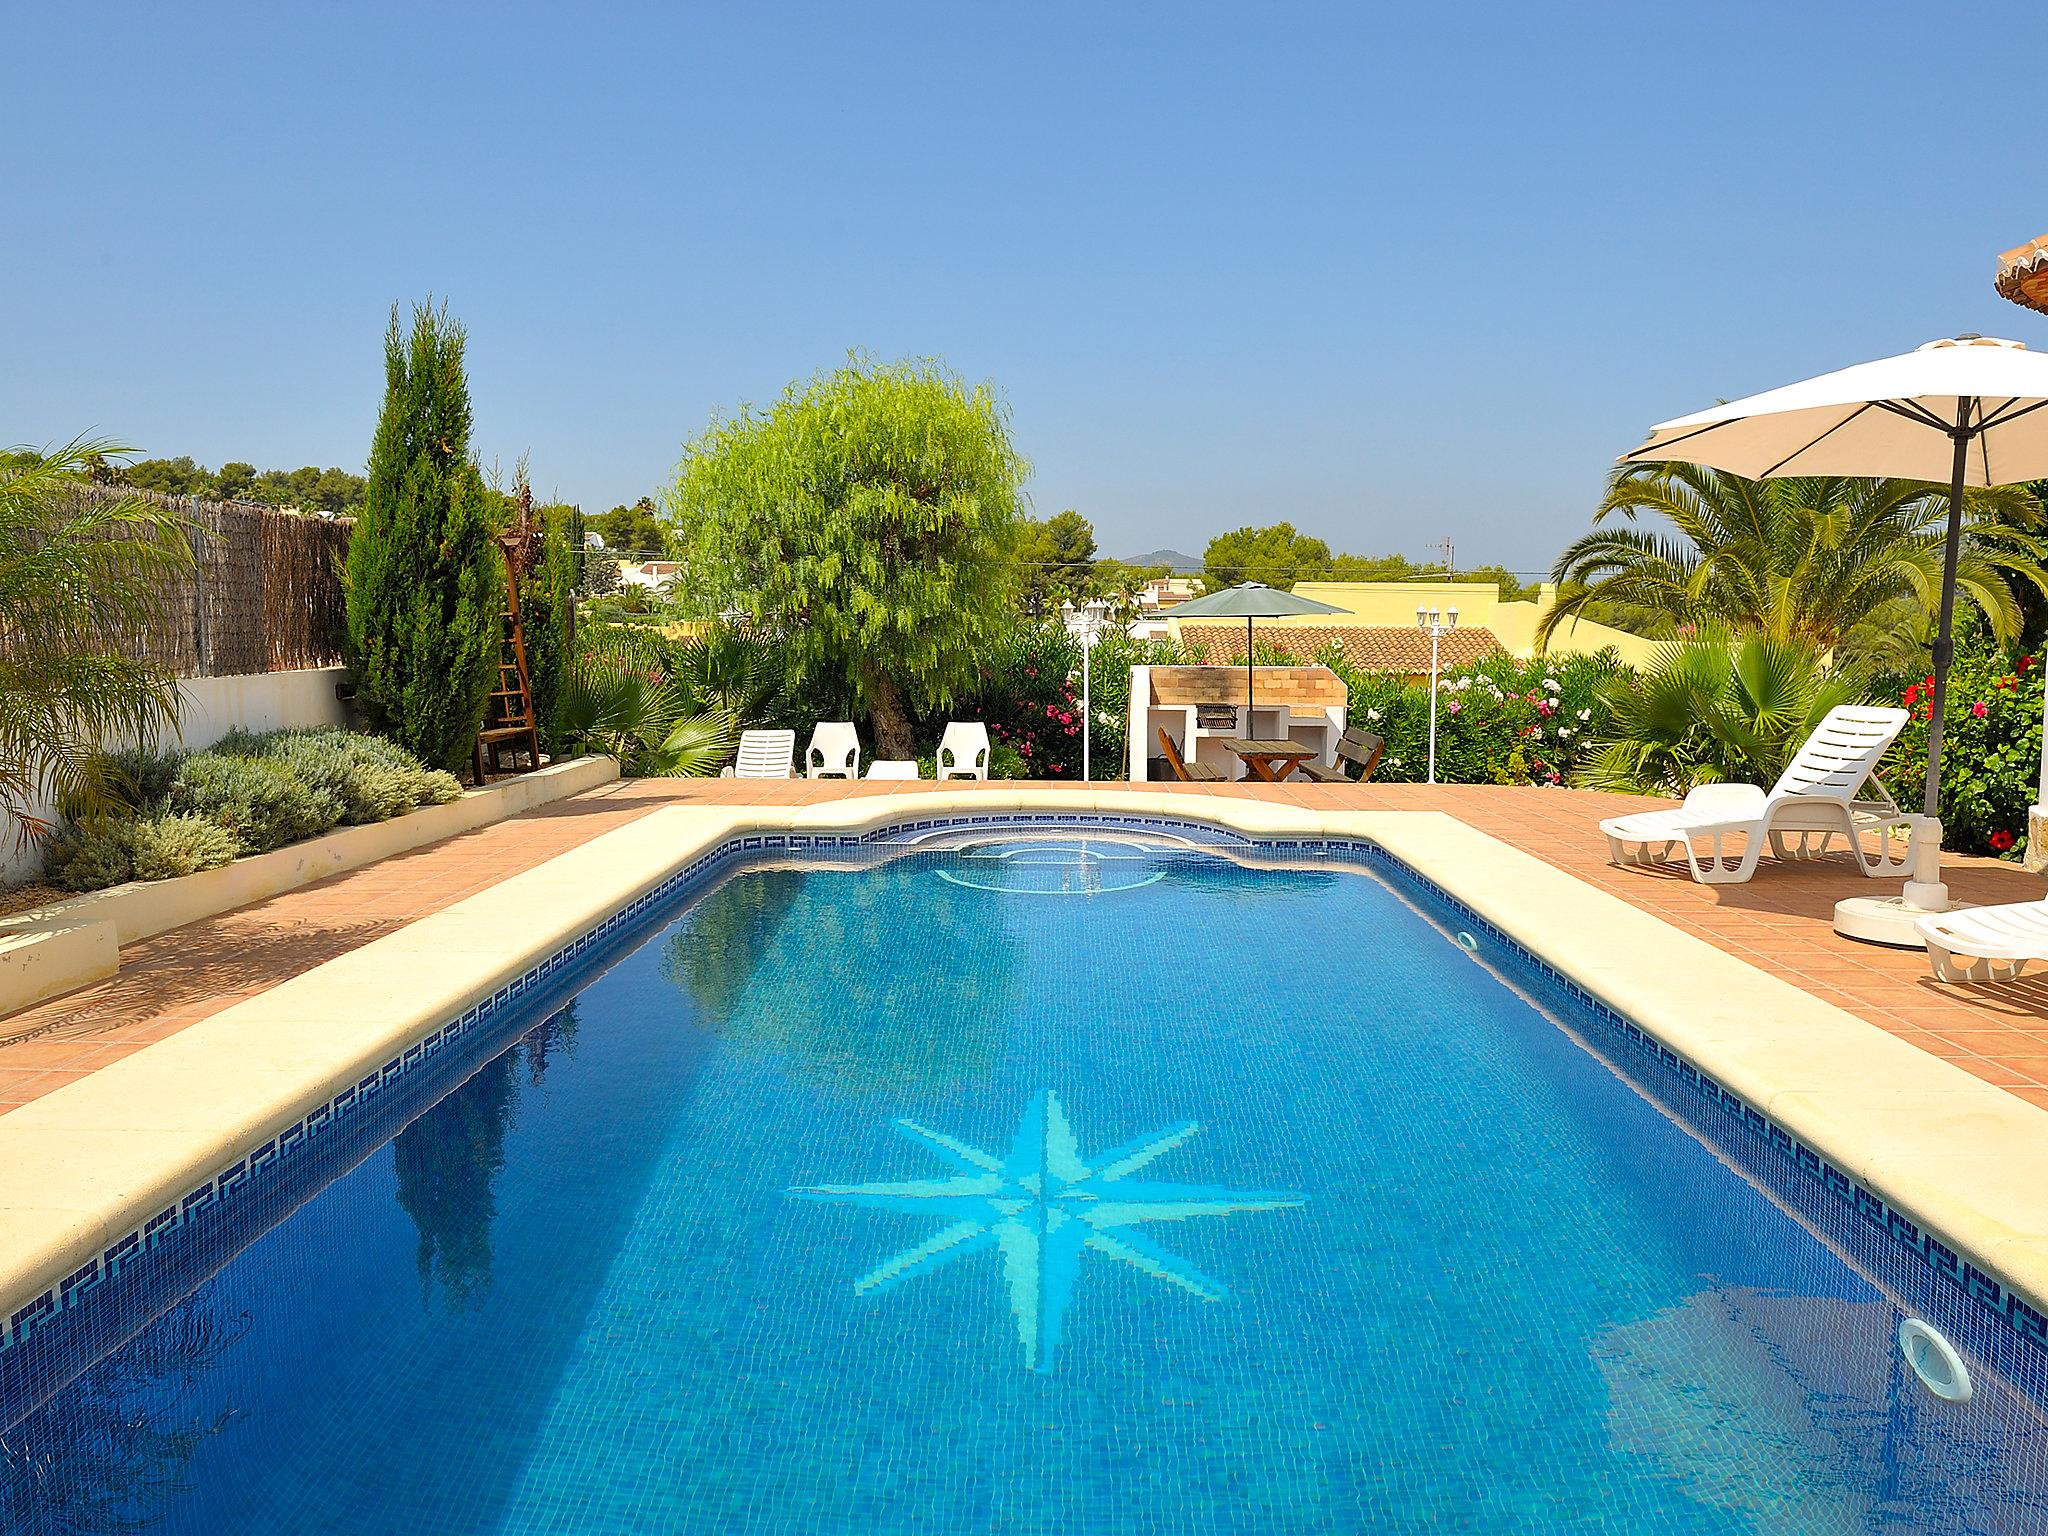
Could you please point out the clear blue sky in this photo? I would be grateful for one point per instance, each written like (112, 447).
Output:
(1394, 273)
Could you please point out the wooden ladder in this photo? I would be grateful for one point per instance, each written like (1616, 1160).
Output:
(509, 741)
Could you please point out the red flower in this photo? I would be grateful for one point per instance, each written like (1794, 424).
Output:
(2000, 840)
(1911, 696)
(2026, 662)
(1980, 709)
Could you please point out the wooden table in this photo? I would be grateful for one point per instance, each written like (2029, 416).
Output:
(1269, 761)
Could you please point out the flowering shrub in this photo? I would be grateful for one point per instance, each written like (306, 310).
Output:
(1501, 721)
(1030, 699)
(1990, 748)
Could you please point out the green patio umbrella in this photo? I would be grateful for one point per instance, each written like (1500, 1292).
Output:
(1253, 600)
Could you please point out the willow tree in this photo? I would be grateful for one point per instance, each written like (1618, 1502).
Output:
(870, 519)
(425, 580)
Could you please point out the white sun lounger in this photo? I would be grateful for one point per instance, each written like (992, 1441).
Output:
(1986, 943)
(765, 755)
(963, 751)
(834, 752)
(1821, 796)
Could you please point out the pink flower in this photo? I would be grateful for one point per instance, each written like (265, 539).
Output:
(1051, 710)
(1980, 709)
(1453, 707)
(1065, 718)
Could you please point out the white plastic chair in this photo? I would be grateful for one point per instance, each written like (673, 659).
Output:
(765, 755)
(1815, 800)
(1986, 943)
(834, 752)
(963, 751)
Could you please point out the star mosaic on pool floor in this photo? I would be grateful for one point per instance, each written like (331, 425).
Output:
(1041, 1206)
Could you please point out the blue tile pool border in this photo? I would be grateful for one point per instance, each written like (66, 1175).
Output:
(1879, 1220)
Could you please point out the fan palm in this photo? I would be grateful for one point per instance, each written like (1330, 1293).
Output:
(1716, 707)
(618, 699)
(79, 575)
(1810, 559)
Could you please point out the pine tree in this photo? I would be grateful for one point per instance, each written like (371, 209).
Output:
(425, 581)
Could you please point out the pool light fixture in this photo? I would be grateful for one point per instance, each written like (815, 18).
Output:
(1934, 1360)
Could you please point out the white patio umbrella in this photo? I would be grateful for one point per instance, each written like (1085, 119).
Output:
(1972, 411)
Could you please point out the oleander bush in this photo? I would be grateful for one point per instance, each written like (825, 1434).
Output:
(173, 814)
(1499, 721)
(1991, 745)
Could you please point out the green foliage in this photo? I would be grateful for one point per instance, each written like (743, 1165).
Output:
(1278, 556)
(634, 530)
(869, 517)
(260, 803)
(425, 582)
(170, 814)
(1109, 692)
(370, 778)
(1991, 745)
(623, 698)
(1502, 721)
(1715, 708)
(167, 846)
(1030, 698)
(548, 612)
(1275, 556)
(1057, 560)
(310, 489)
(1836, 563)
(75, 576)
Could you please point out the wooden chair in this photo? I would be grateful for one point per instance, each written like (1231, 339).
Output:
(1354, 746)
(1186, 772)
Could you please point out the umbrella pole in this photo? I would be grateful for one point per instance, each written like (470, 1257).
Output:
(1248, 674)
(1924, 887)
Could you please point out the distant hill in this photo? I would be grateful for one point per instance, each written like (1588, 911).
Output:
(1172, 559)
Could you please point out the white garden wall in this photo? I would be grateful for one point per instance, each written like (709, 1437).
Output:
(208, 708)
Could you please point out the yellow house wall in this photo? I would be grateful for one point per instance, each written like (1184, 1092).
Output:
(1480, 605)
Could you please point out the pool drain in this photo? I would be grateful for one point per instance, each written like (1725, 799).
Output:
(1934, 1360)
(1468, 944)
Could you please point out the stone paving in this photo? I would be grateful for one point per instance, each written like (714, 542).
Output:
(1779, 921)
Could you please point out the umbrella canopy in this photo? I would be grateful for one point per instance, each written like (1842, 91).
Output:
(1972, 411)
(1897, 417)
(1252, 600)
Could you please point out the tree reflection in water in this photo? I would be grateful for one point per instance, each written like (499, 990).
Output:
(448, 1161)
(108, 1453)
(857, 985)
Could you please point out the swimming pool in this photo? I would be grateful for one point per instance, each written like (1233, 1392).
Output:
(1089, 1181)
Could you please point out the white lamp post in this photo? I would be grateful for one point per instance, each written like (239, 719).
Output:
(1436, 625)
(1086, 625)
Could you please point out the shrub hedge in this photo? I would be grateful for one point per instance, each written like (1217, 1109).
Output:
(247, 794)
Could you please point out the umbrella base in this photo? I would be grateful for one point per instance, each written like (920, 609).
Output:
(1887, 920)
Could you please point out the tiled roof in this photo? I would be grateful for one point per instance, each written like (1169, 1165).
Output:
(2023, 274)
(1367, 647)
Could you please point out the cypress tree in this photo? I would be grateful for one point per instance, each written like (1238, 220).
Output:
(425, 582)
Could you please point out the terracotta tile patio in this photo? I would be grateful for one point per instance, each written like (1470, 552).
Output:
(1780, 921)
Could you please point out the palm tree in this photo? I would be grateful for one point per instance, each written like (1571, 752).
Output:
(1832, 561)
(82, 576)
(1712, 708)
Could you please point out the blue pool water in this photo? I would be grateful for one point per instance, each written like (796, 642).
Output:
(1060, 1185)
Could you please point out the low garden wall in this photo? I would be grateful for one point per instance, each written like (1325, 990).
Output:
(57, 948)
(209, 708)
